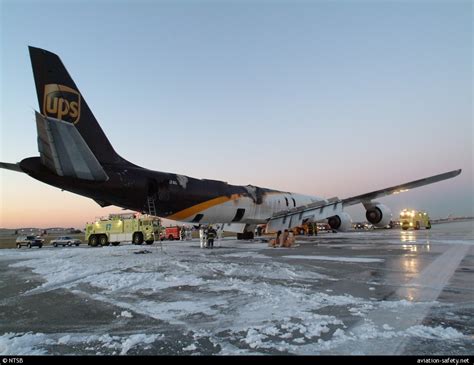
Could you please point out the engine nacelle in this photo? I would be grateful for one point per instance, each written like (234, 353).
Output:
(341, 222)
(379, 215)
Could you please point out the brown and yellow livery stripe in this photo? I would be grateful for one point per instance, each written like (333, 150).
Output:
(195, 209)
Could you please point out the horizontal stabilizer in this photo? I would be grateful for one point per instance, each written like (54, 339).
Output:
(63, 150)
(10, 166)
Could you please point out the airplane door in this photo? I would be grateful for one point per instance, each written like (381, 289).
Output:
(159, 190)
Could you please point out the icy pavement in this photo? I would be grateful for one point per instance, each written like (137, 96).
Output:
(380, 292)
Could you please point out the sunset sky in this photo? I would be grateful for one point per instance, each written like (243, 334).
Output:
(332, 98)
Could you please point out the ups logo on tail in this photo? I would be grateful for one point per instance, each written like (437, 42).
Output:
(62, 102)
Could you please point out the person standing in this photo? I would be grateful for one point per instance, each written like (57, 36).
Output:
(220, 232)
(211, 235)
(202, 237)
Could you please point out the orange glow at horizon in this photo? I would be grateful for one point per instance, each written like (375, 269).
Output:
(29, 203)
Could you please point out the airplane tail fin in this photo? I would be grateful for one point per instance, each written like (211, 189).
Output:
(60, 99)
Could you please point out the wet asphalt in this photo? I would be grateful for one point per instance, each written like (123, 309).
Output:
(390, 270)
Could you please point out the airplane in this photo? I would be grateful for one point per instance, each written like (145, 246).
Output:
(75, 155)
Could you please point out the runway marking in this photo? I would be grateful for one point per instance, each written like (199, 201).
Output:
(432, 280)
(426, 287)
(334, 258)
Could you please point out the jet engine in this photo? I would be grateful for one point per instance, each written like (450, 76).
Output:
(379, 215)
(341, 222)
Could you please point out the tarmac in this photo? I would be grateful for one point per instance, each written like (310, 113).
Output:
(383, 292)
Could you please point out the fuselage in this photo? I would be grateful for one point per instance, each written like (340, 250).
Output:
(175, 196)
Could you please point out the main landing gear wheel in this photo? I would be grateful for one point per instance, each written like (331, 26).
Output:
(245, 236)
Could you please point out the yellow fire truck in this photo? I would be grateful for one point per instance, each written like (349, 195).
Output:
(414, 219)
(123, 227)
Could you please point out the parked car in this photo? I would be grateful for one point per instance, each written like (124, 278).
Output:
(29, 241)
(65, 241)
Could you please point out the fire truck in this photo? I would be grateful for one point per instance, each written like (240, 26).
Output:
(414, 219)
(171, 233)
(123, 227)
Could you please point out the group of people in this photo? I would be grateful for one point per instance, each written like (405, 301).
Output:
(285, 239)
(185, 234)
(207, 237)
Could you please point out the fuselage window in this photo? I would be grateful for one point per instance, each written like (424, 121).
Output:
(294, 202)
(286, 200)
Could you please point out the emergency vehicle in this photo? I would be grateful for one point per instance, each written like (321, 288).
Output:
(123, 227)
(171, 233)
(412, 219)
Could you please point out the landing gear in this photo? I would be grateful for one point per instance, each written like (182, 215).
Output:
(149, 242)
(245, 236)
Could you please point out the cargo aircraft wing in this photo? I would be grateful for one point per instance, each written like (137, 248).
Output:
(397, 189)
(327, 208)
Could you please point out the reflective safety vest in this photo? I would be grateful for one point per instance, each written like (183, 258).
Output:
(211, 234)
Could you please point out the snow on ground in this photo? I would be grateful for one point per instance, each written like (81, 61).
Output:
(236, 298)
(32, 344)
(24, 344)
